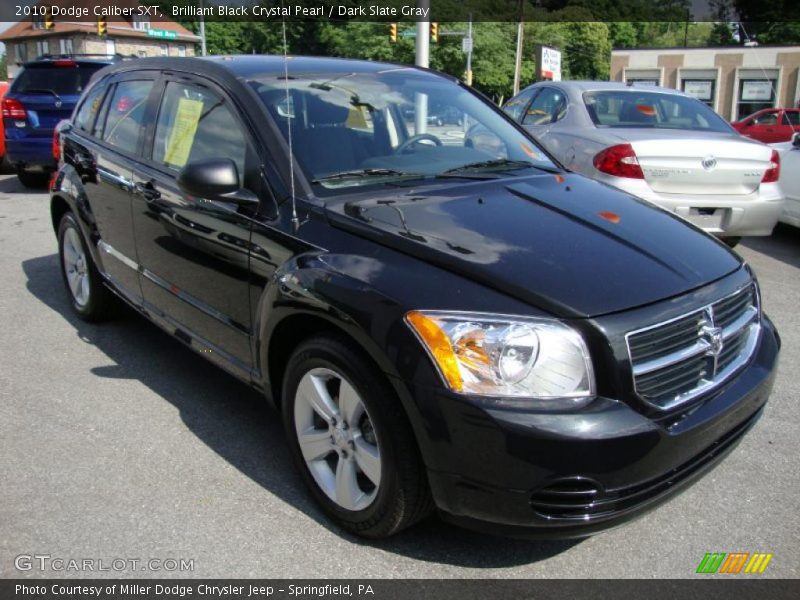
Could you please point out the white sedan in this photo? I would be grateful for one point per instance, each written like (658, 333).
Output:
(790, 179)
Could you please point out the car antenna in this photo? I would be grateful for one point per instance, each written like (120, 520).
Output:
(295, 220)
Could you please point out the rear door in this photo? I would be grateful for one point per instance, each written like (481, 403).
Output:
(193, 251)
(108, 137)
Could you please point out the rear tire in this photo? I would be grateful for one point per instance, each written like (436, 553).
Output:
(33, 180)
(90, 299)
(359, 457)
(732, 242)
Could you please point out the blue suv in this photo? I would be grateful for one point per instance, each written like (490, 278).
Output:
(43, 93)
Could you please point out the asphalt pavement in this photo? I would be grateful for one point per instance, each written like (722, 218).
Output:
(116, 442)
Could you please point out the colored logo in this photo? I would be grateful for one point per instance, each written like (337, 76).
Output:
(734, 562)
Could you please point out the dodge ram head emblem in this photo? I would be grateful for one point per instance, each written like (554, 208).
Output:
(709, 163)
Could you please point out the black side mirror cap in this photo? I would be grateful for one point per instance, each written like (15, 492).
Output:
(215, 179)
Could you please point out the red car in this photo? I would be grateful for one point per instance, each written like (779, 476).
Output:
(3, 90)
(770, 125)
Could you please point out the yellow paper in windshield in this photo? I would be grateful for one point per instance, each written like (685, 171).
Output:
(181, 138)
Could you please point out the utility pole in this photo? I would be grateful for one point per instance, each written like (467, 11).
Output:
(469, 51)
(518, 61)
(422, 60)
(202, 31)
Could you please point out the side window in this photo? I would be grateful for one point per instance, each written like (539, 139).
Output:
(517, 104)
(124, 118)
(90, 108)
(767, 119)
(194, 124)
(548, 107)
(791, 117)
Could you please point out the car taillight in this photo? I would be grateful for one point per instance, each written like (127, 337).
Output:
(58, 148)
(64, 63)
(619, 161)
(773, 172)
(13, 109)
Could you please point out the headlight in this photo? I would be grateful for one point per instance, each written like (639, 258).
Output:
(521, 361)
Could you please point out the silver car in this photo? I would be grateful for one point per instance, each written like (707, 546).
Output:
(661, 145)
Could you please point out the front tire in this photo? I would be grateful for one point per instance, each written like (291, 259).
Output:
(90, 299)
(351, 439)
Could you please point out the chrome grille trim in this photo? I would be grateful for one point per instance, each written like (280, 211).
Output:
(713, 351)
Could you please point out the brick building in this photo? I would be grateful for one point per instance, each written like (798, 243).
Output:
(136, 36)
(734, 81)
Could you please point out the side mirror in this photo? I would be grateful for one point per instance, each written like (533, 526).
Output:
(215, 179)
(796, 140)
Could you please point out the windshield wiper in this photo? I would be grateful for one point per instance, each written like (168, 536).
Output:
(488, 164)
(366, 173)
(41, 91)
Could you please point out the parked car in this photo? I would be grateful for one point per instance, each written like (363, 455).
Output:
(790, 180)
(447, 115)
(660, 145)
(771, 125)
(43, 93)
(3, 90)
(526, 349)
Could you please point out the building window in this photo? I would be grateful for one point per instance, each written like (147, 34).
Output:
(702, 89)
(755, 95)
(142, 53)
(65, 46)
(21, 52)
(181, 50)
(141, 22)
(42, 47)
(111, 47)
(164, 49)
(38, 21)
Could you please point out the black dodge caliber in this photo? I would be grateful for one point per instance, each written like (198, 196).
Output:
(444, 317)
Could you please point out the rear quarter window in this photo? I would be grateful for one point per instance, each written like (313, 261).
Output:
(90, 107)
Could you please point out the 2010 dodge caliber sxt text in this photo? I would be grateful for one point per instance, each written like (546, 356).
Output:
(443, 316)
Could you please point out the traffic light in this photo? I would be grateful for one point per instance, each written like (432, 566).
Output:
(49, 21)
(102, 25)
(434, 32)
(393, 32)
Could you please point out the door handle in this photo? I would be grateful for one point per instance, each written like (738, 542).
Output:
(146, 190)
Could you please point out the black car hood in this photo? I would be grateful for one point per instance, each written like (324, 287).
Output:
(564, 243)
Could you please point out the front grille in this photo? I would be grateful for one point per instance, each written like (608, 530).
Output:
(679, 360)
(580, 498)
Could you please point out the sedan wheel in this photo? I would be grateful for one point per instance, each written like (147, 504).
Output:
(337, 439)
(75, 267)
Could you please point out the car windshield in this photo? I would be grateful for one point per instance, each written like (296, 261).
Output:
(62, 81)
(652, 110)
(356, 129)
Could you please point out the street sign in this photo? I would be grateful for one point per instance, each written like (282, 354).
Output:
(162, 34)
(408, 33)
(466, 45)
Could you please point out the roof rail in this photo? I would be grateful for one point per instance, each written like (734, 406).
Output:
(98, 56)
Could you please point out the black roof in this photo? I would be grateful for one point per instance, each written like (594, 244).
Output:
(248, 66)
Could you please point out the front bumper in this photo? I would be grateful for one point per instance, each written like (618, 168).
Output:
(573, 474)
